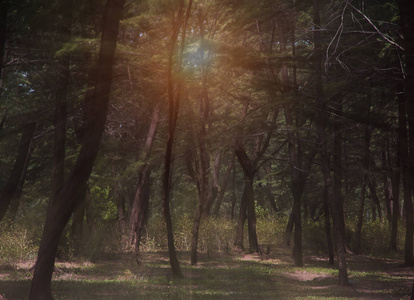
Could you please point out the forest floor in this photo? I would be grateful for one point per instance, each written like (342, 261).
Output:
(218, 276)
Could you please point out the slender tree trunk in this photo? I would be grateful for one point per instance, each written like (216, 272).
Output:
(328, 227)
(20, 163)
(407, 188)
(387, 186)
(337, 163)
(361, 209)
(251, 215)
(322, 123)
(4, 5)
(289, 229)
(173, 104)
(139, 210)
(375, 199)
(247, 202)
(238, 243)
(395, 199)
(223, 187)
(72, 191)
(406, 8)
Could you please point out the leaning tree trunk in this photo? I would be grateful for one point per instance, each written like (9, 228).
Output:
(72, 191)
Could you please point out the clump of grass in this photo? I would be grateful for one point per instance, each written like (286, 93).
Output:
(16, 243)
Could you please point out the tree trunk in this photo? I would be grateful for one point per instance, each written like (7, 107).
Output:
(173, 109)
(328, 227)
(77, 226)
(322, 123)
(20, 163)
(247, 202)
(72, 191)
(289, 228)
(3, 31)
(223, 187)
(406, 8)
(395, 199)
(387, 187)
(139, 210)
(337, 164)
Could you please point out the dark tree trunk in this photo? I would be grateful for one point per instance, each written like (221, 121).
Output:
(223, 187)
(9, 190)
(3, 31)
(407, 188)
(268, 190)
(173, 109)
(72, 192)
(328, 227)
(375, 199)
(247, 202)
(406, 8)
(77, 226)
(361, 209)
(322, 123)
(387, 187)
(395, 197)
(139, 210)
(15, 202)
(337, 164)
(289, 229)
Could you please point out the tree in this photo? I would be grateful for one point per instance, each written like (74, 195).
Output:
(322, 139)
(173, 109)
(72, 192)
(406, 9)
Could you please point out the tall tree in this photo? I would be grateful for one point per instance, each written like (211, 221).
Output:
(174, 95)
(72, 191)
(406, 8)
(322, 139)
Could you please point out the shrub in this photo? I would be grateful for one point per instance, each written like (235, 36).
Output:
(16, 243)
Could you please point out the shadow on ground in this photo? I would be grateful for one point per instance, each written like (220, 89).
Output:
(220, 277)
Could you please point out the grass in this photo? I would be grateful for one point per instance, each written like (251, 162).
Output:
(224, 276)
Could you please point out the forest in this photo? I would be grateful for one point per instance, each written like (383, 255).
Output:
(206, 149)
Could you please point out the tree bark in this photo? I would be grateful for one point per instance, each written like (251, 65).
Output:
(71, 193)
(20, 163)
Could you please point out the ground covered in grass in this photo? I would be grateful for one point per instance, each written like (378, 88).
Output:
(220, 276)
